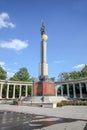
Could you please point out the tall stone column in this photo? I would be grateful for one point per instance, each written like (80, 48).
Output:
(74, 91)
(26, 91)
(61, 90)
(86, 86)
(20, 91)
(1, 91)
(14, 91)
(68, 95)
(7, 93)
(80, 88)
(43, 68)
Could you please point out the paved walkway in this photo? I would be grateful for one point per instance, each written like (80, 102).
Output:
(38, 118)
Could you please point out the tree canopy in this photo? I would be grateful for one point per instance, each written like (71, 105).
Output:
(21, 75)
(73, 74)
(3, 74)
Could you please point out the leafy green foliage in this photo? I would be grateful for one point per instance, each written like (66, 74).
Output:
(74, 102)
(73, 74)
(3, 74)
(21, 75)
(84, 71)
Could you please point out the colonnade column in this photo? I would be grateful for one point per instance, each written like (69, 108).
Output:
(56, 91)
(20, 91)
(1, 91)
(26, 90)
(14, 92)
(68, 95)
(7, 93)
(74, 91)
(86, 86)
(61, 90)
(80, 87)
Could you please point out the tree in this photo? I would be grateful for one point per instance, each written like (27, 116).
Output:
(21, 75)
(3, 74)
(75, 75)
(84, 71)
(64, 76)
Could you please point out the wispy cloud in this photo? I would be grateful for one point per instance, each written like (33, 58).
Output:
(14, 44)
(80, 66)
(5, 21)
(15, 63)
(58, 61)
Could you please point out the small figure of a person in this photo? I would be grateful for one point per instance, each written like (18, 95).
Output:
(42, 98)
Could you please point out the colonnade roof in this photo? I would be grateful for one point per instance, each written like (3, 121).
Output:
(81, 80)
(15, 82)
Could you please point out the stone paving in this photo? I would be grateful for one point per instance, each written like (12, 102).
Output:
(38, 118)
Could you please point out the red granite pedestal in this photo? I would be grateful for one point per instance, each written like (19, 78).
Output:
(43, 88)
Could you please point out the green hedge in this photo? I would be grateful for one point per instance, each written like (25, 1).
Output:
(75, 102)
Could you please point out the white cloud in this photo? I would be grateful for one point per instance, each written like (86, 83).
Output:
(15, 44)
(80, 66)
(5, 21)
(2, 63)
(58, 61)
(10, 74)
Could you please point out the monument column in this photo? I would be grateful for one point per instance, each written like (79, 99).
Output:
(45, 86)
(43, 69)
(74, 91)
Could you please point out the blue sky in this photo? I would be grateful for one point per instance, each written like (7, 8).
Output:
(66, 25)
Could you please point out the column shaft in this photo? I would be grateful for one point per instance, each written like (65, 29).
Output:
(26, 91)
(1, 91)
(7, 93)
(74, 91)
(61, 90)
(68, 95)
(86, 86)
(80, 87)
(20, 91)
(56, 90)
(14, 92)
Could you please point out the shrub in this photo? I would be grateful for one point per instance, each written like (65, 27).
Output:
(74, 102)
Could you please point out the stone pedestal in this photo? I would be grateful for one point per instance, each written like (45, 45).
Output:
(44, 89)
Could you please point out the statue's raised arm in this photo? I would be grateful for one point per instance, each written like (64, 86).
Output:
(43, 29)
